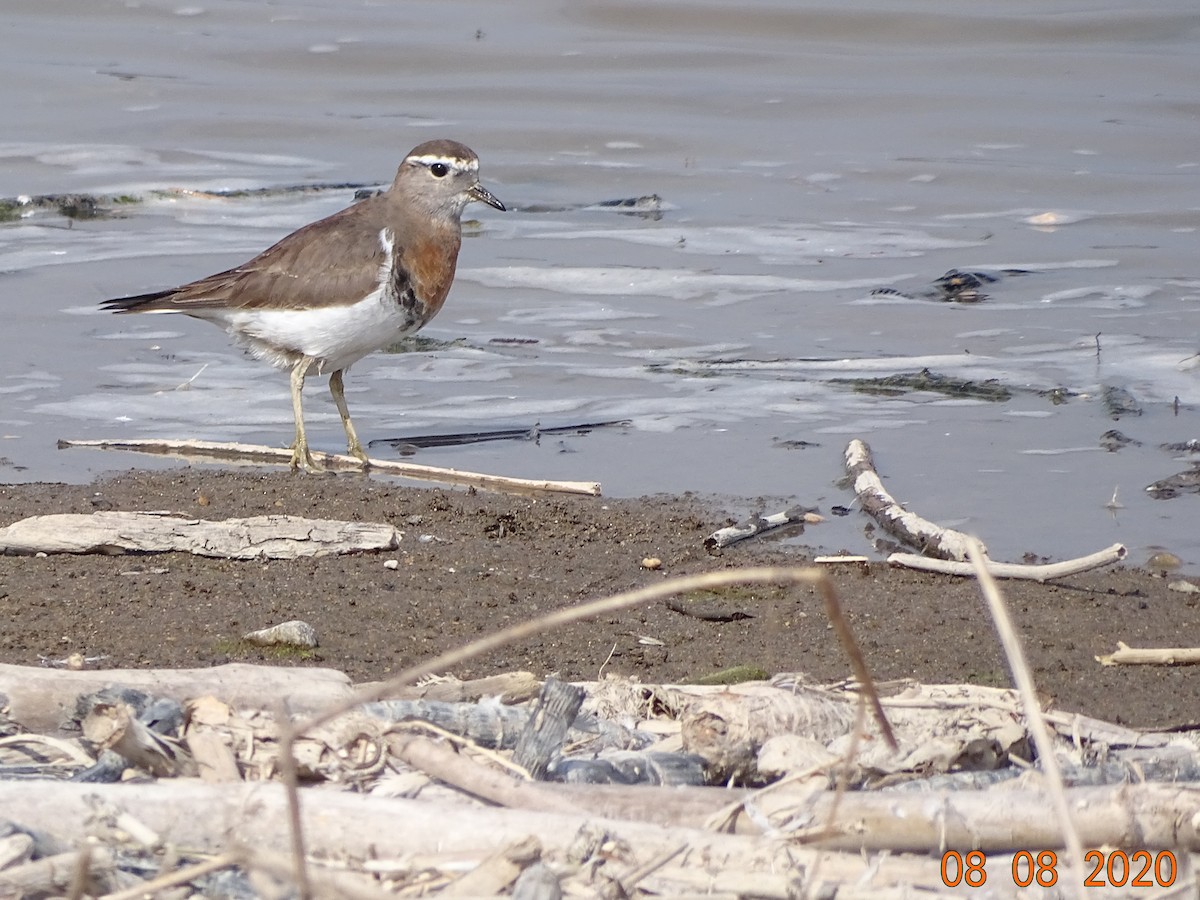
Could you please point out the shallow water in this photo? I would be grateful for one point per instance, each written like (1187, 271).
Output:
(805, 154)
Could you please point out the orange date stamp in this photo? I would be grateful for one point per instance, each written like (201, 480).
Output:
(1106, 868)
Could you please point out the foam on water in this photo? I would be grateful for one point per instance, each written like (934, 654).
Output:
(676, 284)
(783, 244)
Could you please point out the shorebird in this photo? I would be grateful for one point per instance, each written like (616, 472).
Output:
(350, 284)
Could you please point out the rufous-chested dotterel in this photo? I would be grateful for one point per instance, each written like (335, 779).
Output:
(350, 284)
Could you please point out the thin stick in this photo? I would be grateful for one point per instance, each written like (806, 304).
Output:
(178, 876)
(1011, 643)
(629, 881)
(812, 881)
(1105, 557)
(291, 782)
(600, 673)
(222, 451)
(833, 609)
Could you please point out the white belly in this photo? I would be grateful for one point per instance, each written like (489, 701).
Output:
(335, 336)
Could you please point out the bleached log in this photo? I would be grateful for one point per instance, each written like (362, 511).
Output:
(1152, 816)
(931, 538)
(272, 537)
(1148, 816)
(44, 699)
(257, 454)
(353, 828)
(1125, 655)
(1045, 572)
(349, 825)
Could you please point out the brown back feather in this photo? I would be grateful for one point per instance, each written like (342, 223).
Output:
(330, 262)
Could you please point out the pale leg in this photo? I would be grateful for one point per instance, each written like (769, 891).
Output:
(336, 388)
(300, 452)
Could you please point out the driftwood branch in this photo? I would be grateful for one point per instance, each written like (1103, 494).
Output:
(273, 537)
(1046, 572)
(944, 550)
(256, 454)
(932, 539)
(1147, 656)
(756, 525)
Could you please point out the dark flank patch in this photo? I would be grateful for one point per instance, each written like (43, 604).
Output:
(401, 292)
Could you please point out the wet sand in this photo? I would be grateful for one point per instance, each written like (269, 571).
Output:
(471, 562)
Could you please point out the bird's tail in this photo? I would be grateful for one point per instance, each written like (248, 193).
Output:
(151, 302)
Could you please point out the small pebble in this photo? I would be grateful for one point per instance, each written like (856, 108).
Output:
(295, 632)
(1184, 587)
(651, 562)
(1164, 561)
(392, 564)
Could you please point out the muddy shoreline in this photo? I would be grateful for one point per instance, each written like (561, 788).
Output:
(473, 562)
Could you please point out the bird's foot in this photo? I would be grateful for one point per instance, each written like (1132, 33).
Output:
(302, 458)
(355, 449)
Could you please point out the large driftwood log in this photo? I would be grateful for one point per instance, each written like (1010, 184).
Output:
(353, 828)
(346, 825)
(44, 699)
(273, 537)
(256, 454)
(1148, 816)
(927, 536)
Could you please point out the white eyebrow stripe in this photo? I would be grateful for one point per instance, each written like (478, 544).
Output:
(470, 165)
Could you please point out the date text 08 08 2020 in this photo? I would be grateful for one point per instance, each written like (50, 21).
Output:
(1109, 868)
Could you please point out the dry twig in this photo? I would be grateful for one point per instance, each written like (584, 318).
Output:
(1042, 740)
(226, 452)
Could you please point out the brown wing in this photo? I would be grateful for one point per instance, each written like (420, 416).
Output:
(330, 262)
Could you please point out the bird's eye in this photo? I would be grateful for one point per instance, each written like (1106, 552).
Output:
(439, 170)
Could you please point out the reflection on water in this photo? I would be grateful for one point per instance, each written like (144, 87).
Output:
(819, 169)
